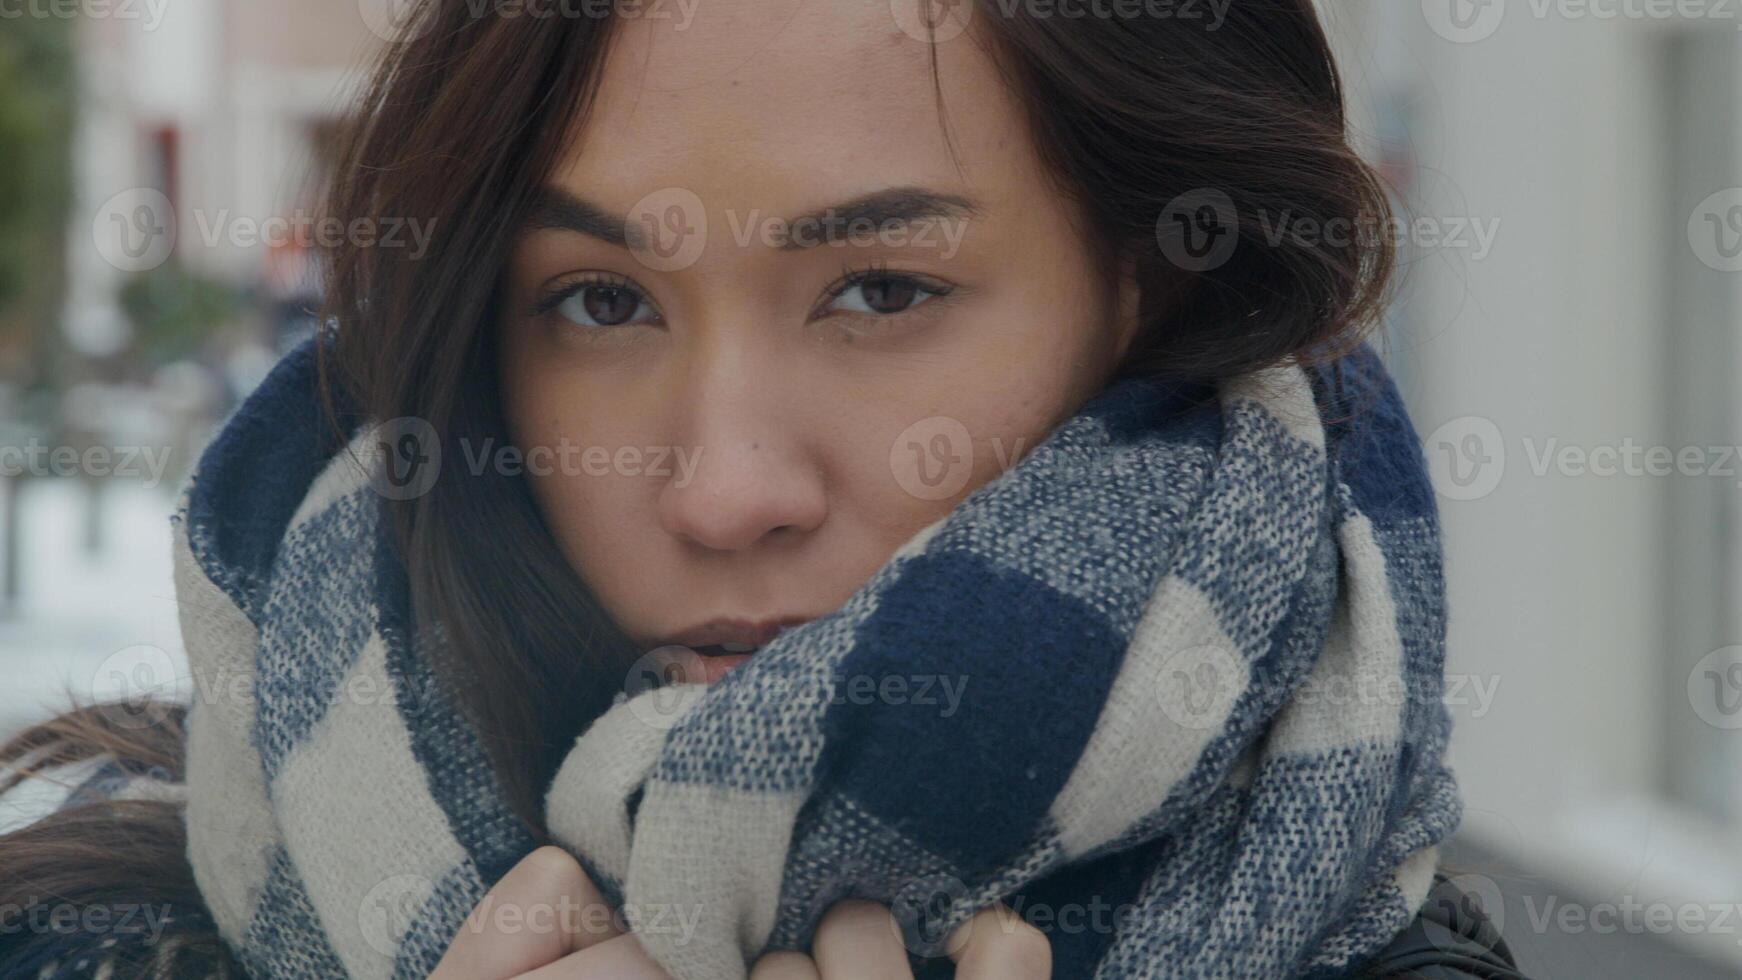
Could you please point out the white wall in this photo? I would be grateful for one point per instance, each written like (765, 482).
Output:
(1560, 583)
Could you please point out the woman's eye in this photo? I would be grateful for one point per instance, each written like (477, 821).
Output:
(882, 295)
(609, 304)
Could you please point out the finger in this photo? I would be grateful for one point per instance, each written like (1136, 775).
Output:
(785, 965)
(543, 909)
(621, 958)
(996, 944)
(859, 940)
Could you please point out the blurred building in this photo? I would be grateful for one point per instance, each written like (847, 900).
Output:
(1575, 382)
(208, 118)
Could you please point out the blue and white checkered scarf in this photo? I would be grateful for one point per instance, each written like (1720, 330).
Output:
(1170, 687)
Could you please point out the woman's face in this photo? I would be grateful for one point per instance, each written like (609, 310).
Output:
(730, 414)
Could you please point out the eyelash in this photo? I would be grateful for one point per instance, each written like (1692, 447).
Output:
(560, 294)
(851, 277)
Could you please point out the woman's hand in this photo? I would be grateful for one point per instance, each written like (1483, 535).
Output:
(859, 940)
(546, 920)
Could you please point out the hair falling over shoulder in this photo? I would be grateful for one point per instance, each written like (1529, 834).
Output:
(104, 881)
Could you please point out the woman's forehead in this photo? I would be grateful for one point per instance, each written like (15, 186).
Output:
(822, 98)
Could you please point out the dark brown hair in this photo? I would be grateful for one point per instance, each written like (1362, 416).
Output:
(459, 126)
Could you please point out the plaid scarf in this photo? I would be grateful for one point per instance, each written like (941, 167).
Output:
(1170, 686)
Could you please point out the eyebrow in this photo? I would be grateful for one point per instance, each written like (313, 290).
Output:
(898, 205)
(557, 209)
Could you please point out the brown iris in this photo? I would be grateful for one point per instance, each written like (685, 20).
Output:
(610, 305)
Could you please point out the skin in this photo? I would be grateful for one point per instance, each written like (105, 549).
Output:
(545, 920)
(792, 394)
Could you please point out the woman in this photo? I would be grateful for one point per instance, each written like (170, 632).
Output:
(725, 322)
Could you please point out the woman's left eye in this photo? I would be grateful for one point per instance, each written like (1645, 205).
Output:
(883, 294)
(600, 303)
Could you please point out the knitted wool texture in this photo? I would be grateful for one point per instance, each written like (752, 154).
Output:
(1175, 677)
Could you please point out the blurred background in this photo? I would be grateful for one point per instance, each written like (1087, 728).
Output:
(1568, 332)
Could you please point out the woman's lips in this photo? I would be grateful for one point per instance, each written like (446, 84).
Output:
(738, 635)
(707, 652)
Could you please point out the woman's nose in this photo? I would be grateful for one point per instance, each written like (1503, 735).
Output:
(752, 480)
